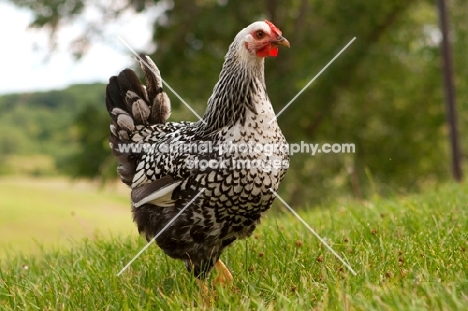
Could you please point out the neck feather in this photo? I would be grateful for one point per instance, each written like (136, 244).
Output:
(241, 81)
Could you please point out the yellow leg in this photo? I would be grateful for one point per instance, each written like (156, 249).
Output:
(224, 278)
(224, 275)
(203, 287)
(208, 297)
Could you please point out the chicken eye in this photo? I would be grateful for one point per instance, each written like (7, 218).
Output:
(260, 34)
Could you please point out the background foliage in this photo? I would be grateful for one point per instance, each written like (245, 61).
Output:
(384, 94)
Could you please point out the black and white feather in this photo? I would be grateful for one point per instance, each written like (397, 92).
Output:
(164, 180)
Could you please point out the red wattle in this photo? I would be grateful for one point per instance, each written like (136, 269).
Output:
(263, 52)
(274, 51)
(268, 51)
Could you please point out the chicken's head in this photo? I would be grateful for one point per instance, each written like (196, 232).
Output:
(262, 39)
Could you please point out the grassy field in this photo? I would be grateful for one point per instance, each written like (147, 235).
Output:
(410, 254)
(38, 213)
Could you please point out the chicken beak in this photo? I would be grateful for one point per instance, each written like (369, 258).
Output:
(280, 40)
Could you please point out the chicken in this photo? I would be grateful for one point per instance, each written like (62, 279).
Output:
(200, 166)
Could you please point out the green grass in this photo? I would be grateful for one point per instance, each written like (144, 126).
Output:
(410, 254)
(53, 212)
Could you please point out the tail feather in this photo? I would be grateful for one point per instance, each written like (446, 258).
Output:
(131, 107)
(160, 104)
(128, 80)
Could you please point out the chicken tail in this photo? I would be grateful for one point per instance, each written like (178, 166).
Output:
(132, 107)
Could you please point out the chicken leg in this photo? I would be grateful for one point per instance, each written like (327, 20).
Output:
(224, 278)
(224, 275)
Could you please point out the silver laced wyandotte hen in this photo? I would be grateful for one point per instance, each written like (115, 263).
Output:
(232, 189)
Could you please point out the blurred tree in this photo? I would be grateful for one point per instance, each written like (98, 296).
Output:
(92, 156)
(40, 123)
(383, 94)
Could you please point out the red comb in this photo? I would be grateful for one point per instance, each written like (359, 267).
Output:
(273, 28)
